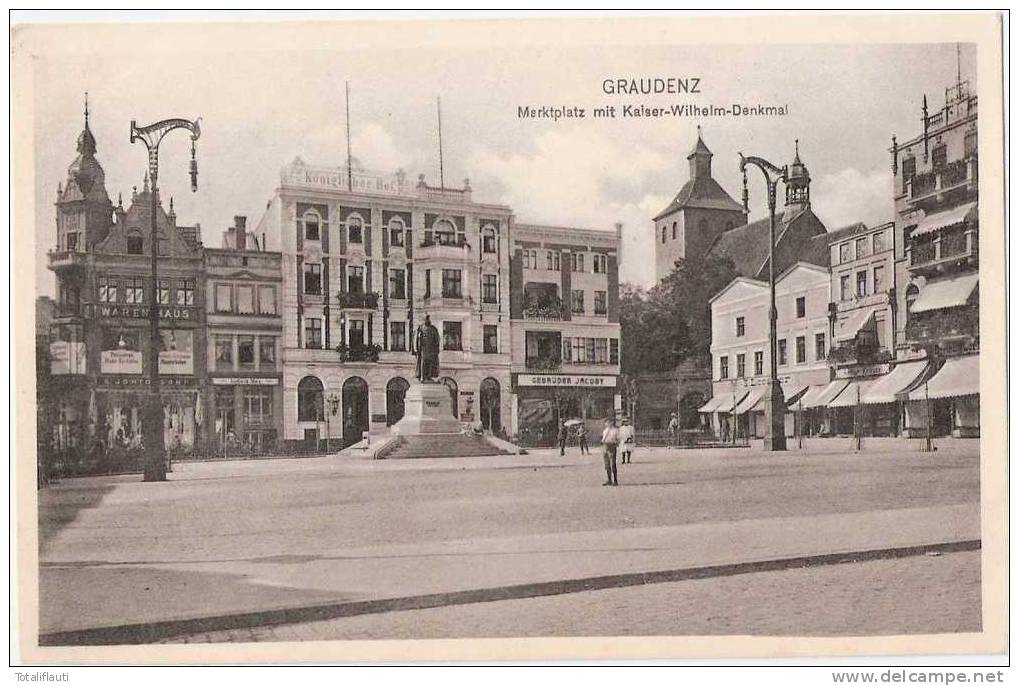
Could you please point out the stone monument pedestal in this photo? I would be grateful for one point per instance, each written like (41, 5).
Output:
(427, 410)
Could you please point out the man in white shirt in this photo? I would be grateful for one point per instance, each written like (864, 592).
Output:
(610, 443)
(626, 441)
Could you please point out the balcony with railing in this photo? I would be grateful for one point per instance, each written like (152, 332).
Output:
(953, 178)
(447, 247)
(359, 353)
(547, 308)
(350, 300)
(948, 248)
(545, 363)
(64, 259)
(458, 195)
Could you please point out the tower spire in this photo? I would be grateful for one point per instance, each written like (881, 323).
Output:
(86, 109)
(958, 63)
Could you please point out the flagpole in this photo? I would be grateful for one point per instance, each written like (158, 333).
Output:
(438, 107)
(350, 181)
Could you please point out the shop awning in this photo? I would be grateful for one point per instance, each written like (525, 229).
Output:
(751, 401)
(959, 376)
(945, 293)
(885, 388)
(853, 394)
(711, 405)
(847, 329)
(942, 220)
(809, 398)
(792, 391)
(828, 393)
(727, 401)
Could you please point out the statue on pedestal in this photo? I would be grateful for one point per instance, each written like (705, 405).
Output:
(426, 349)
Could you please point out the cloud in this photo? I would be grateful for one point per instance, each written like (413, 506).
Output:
(850, 195)
(371, 145)
(576, 177)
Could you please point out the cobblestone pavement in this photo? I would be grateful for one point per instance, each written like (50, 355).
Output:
(911, 595)
(238, 536)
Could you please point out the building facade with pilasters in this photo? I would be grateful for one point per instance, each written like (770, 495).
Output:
(365, 258)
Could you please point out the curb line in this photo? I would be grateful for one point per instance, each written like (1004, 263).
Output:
(153, 632)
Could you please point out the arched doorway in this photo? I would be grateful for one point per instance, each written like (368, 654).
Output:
(310, 408)
(355, 410)
(490, 405)
(396, 391)
(453, 393)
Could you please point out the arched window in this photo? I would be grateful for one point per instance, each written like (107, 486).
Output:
(674, 228)
(396, 391)
(312, 226)
(355, 229)
(396, 232)
(912, 293)
(663, 234)
(444, 232)
(488, 240)
(309, 400)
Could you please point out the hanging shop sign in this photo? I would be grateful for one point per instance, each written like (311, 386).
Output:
(245, 381)
(133, 382)
(67, 357)
(176, 354)
(862, 370)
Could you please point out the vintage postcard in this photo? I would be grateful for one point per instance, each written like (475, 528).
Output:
(557, 337)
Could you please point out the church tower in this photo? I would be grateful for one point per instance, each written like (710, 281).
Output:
(699, 213)
(797, 187)
(84, 210)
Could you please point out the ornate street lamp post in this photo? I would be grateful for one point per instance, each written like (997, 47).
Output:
(334, 406)
(774, 401)
(151, 136)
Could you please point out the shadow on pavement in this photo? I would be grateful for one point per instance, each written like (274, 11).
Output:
(58, 507)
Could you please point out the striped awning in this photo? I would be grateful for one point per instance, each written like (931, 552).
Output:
(847, 329)
(808, 399)
(942, 220)
(752, 399)
(886, 388)
(854, 393)
(829, 393)
(945, 293)
(958, 377)
(711, 405)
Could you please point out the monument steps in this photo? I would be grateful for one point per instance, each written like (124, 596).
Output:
(441, 445)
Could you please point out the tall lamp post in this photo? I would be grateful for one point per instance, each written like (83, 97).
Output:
(774, 407)
(151, 136)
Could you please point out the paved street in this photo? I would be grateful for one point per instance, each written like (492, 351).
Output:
(231, 537)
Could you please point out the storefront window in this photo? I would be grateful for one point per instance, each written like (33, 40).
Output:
(257, 405)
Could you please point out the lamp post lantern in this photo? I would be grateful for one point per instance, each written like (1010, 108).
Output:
(774, 401)
(151, 136)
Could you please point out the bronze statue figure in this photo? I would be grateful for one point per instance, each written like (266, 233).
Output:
(426, 347)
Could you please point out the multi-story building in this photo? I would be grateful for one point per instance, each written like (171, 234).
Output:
(101, 329)
(564, 311)
(740, 350)
(243, 285)
(937, 266)
(366, 258)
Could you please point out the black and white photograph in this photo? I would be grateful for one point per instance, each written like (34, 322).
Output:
(355, 334)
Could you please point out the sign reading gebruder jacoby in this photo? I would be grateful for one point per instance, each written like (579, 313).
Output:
(625, 101)
(570, 380)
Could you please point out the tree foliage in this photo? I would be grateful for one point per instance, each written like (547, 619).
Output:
(671, 322)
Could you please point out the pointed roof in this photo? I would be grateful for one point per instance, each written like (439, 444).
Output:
(704, 193)
(85, 176)
(747, 245)
(699, 147)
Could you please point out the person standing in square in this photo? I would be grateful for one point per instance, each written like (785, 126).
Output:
(626, 441)
(610, 443)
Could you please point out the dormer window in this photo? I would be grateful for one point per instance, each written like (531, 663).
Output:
(135, 245)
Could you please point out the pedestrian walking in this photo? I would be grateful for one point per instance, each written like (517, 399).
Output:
(561, 439)
(673, 428)
(582, 440)
(626, 441)
(610, 443)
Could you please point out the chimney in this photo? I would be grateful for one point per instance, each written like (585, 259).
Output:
(240, 224)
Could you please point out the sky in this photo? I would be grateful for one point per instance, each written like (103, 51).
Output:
(262, 107)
